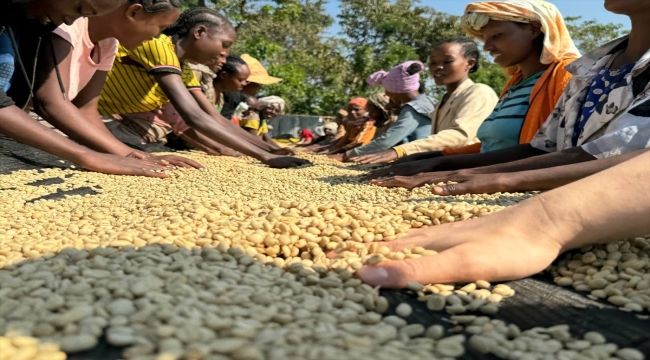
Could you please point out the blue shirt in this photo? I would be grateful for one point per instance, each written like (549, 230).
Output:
(503, 127)
(413, 123)
(7, 58)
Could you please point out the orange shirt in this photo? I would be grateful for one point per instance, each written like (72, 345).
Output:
(359, 132)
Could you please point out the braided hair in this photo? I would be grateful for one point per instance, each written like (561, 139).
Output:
(232, 65)
(194, 17)
(157, 6)
(470, 50)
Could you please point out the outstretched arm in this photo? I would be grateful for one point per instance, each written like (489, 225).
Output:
(22, 128)
(51, 104)
(529, 236)
(205, 104)
(532, 180)
(199, 120)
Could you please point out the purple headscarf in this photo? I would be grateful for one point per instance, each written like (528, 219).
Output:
(397, 80)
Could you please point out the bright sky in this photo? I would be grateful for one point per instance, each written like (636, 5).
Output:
(588, 9)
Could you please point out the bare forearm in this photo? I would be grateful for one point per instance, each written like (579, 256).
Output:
(205, 104)
(489, 159)
(551, 178)
(86, 129)
(22, 128)
(536, 160)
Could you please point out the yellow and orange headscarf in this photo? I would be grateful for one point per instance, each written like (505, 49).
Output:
(558, 44)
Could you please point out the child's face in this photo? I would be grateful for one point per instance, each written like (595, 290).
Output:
(213, 45)
(58, 12)
(235, 82)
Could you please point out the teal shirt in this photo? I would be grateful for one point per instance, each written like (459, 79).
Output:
(503, 127)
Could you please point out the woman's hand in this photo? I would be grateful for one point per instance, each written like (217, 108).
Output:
(120, 165)
(378, 158)
(284, 162)
(406, 169)
(166, 160)
(480, 249)
(337, 157)
(283, 151)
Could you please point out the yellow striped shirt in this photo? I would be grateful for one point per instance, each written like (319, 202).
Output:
(131, 86)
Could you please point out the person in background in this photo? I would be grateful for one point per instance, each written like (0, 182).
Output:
(168, 97)
(35, 20)
(82, 55)
(257, 78)
(604, 112)
(457, 117)
(257, 122)
(340, 120)
(360, 129)
(306, 137)
(402, 85)
(530, 41)
(328, 137)
(380, 108)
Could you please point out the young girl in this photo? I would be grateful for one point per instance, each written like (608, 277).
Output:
(83, 53)
(462, 109)
(529, 39)
(33, 20)
(232, 78)
(155, 92)
(402, 85)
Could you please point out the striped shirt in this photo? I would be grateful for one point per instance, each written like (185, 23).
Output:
(131, 86)
(502, 128)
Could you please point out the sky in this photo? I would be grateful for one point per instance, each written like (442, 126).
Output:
(588, 9)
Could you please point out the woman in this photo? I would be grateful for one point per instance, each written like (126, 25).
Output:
(82, 55)
(258, 77)
(462, 109)
(359, 129)
(379, 108)
(257, 122)
(402, 85)
(34, 20)
(232, 77)
(156, 93)
(529, 39)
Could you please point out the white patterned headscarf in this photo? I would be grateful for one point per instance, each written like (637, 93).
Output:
(275, 101)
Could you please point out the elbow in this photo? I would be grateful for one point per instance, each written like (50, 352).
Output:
(44, 105)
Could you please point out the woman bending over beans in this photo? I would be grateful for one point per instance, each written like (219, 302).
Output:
(35, 20)
(82, 55)
(156, 93)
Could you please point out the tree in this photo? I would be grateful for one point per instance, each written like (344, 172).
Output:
(589, 34)
(322, 72)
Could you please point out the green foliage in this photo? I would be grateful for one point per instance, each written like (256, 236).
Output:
(590, 34)
(322, 72)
